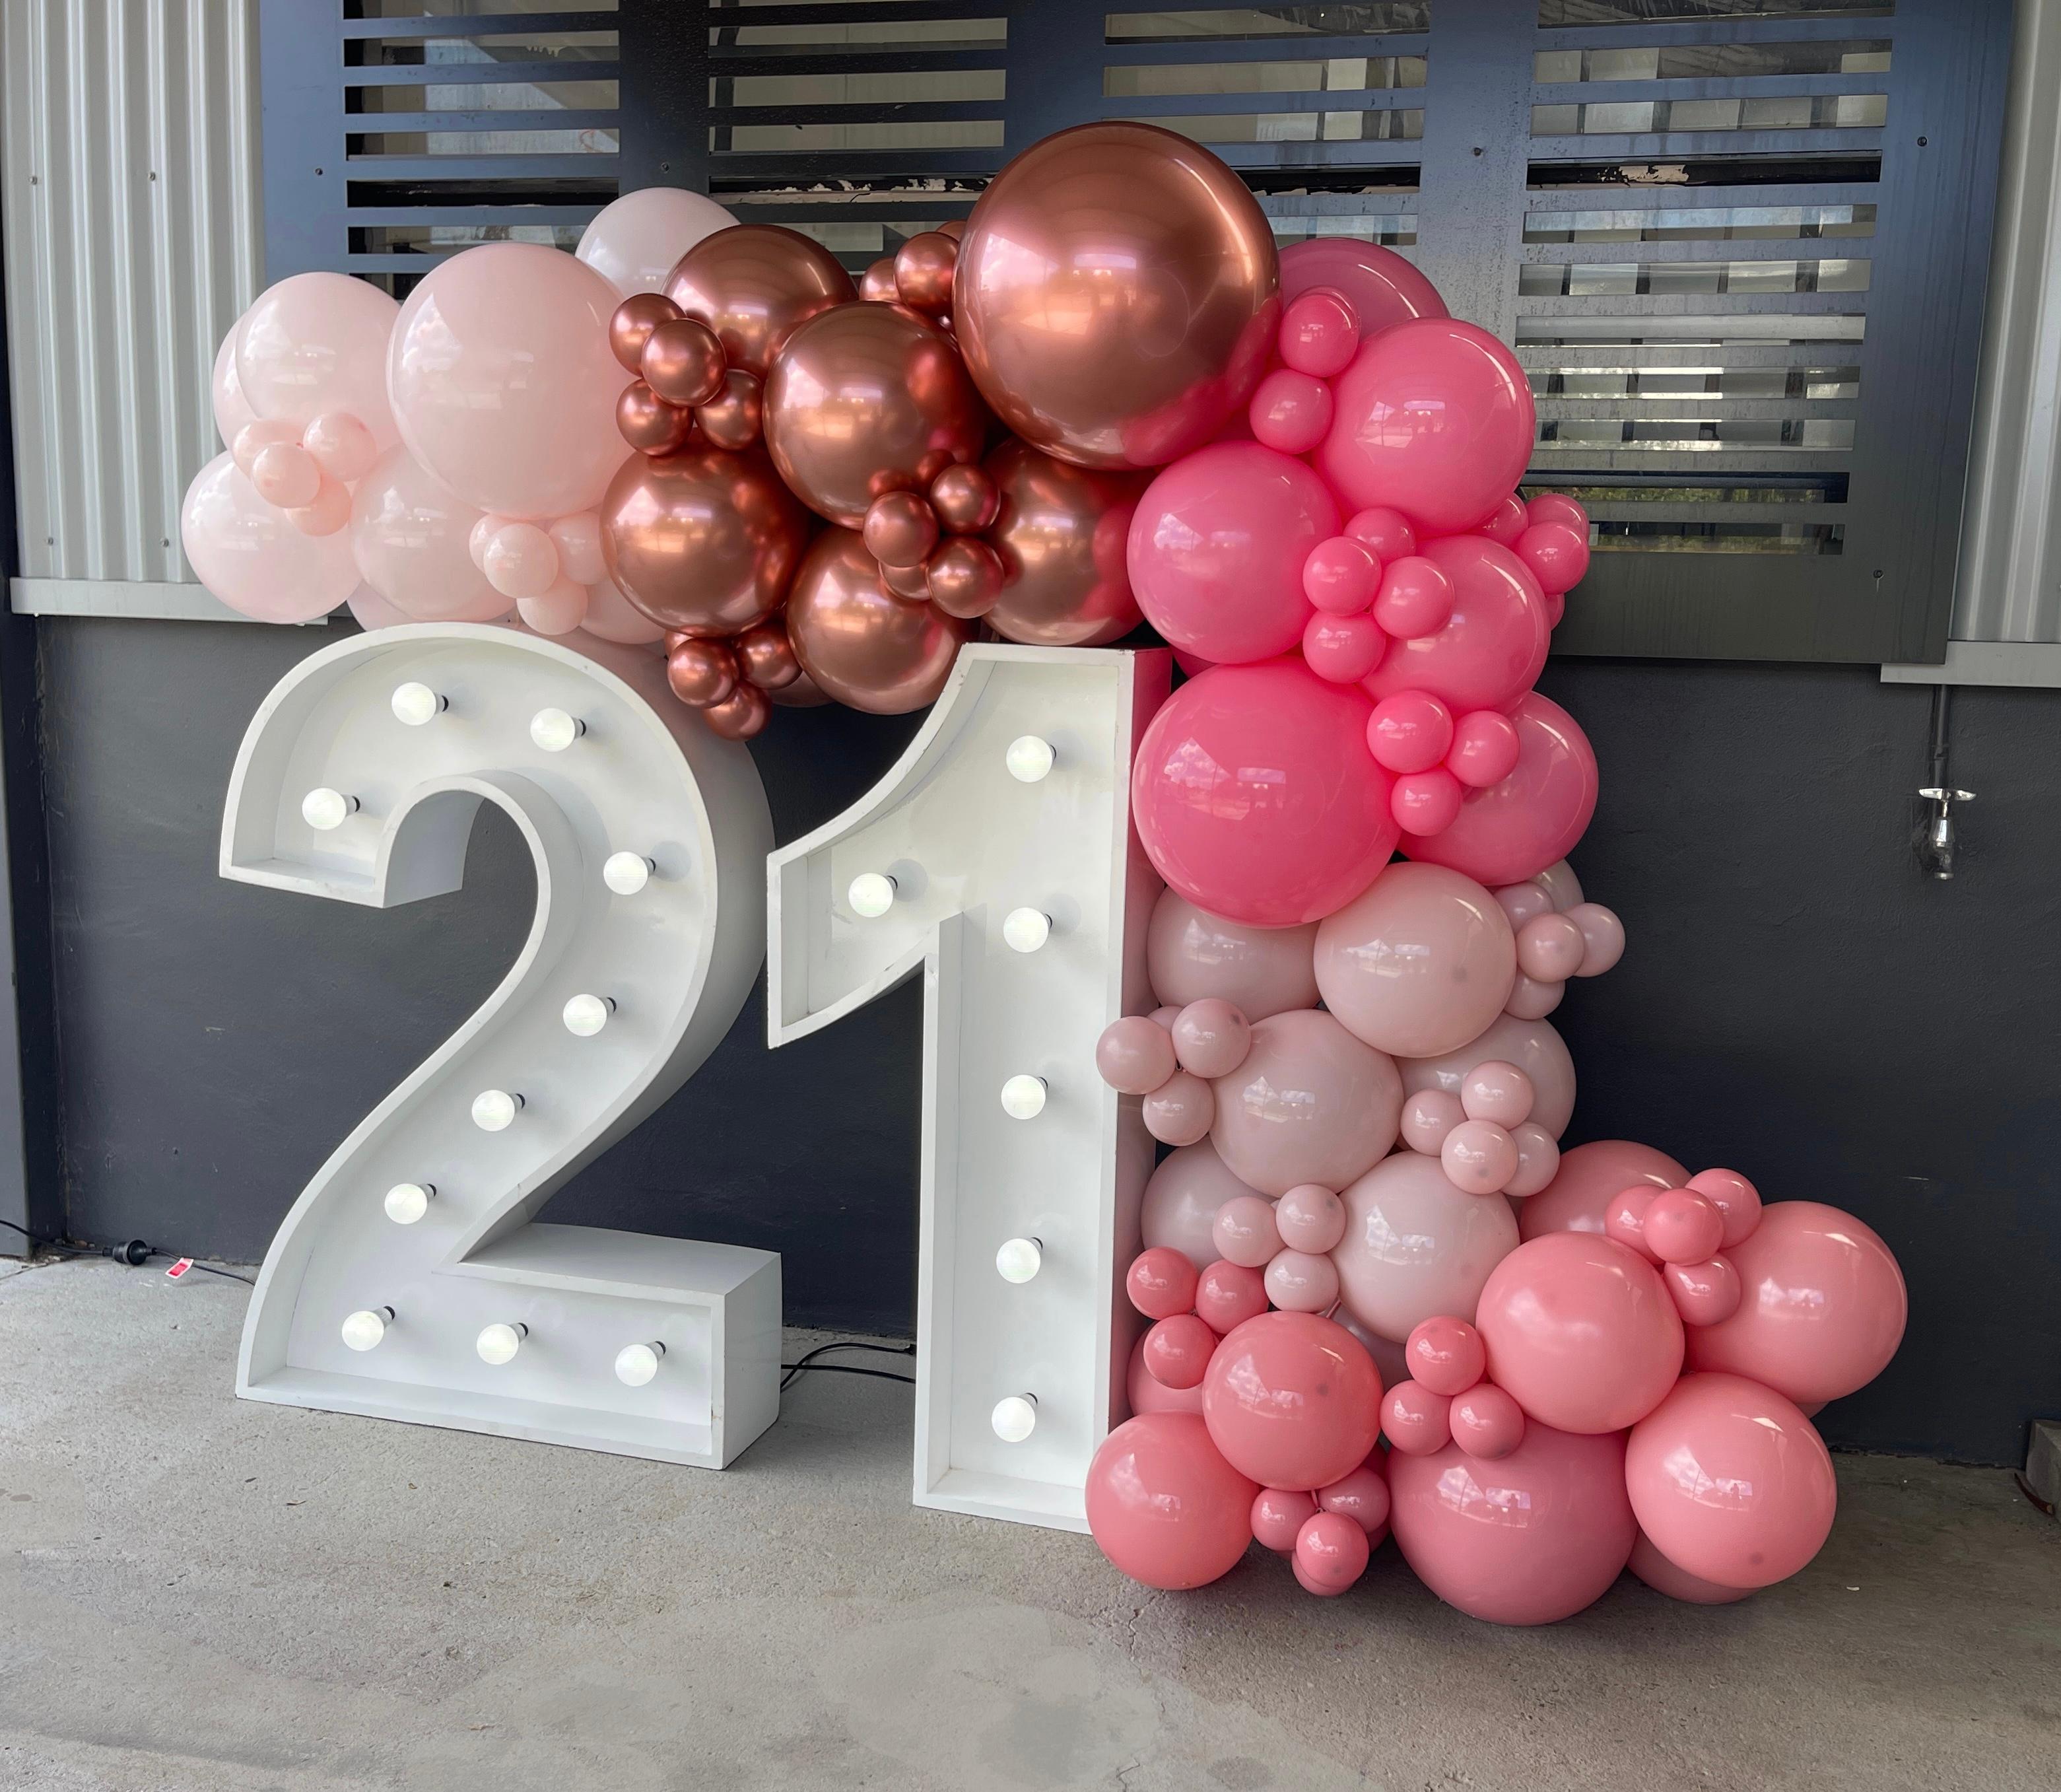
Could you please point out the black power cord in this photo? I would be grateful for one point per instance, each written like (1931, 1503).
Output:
(808, 1361)
(132, 1253)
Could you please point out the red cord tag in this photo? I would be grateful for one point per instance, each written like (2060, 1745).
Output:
(180, 1268)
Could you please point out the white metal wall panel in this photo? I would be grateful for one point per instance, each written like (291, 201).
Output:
(128, 134)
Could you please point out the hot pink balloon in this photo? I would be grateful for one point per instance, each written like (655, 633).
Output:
(1182, 1200)
(1216, 548)
(1434, 419)
(1416, 1247)
(1381, 287)
(1310, 1103)
(1822, 1309)
(1256, 798)
(1590, 1177)
(1730, 1481)
(409, 531)
(1514, 829)
(1192, 954)
(1530, 1539)
(1663, 1576)
(1493, 643)
(503, 382)
(1292, 1400)
(1164, 1504)
(317, 343)
(1534, 1046)
(249, 554)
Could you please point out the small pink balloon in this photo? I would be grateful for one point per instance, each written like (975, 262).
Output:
(1521, 901)
(1381, 286)
(1558, 556)
(1493, 1090)
(1303, 1281)
(1425, 803)
(1319, 332)
(1362, 1497)
(1310, 1218)
(1414, 1420)
(1311, 1103)
(483, 530)
(1530, 999)
(1506, 522)
(1486, 1423)
(1210, 1037)
(521, 560)
(1410, 732)
(1292, 1400)
(1624, 1218)
(1181, 1111)
(1343, 650)
(1534, 1047)
(577, 539)
(1592, 1175)
(1683, 1227)
(1245, 1232)
(1484, 749)
(286, 474)
(1489, 650)
(1290, 412)
(1178, 1350)
(343, 446)
(255, 437)
(1415, 597)
(1480, 1157)
(1705, 1294)
(1663, 1576)
(1512, 830)
(1550, 948)
(559, 611)
(1161, 1283)
(1387, 532)
(328, 511)
(1733, 1197)
(1603, 938)
(1228, 1294)
(1331, 1553)
(1537, 1159)
(1556, 506)
(1133, 1057)
(1182, 1199)
(1164, 1016)
(1261, 971)
(1428, 1116)
(1445, 1355)
(1146, 1395)
(1164, 1505)
(1278, 1515)
(1341, 576)
(1559, 883)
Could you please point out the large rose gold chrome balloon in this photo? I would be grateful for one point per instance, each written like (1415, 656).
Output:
(704, 541)
(752, 283)
(867, 400)
(1062, 533)
(1116, 294)
(858, 641)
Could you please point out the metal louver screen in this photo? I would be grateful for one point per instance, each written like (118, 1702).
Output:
(1741, 247)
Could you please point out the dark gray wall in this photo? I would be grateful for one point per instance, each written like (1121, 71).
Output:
(1798, 1001)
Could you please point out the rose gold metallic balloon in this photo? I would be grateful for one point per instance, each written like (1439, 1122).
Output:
(900, 529)
(868, 398)
(1117, 294)
(649, 424)
(702, 673)
(965, 499)
(923, 270)
(912, 581)
(735, 418)
(801, 692)
(966, 577)
(877, 283)
(682, 362)
(703, 541)
(859, 641)
(1063, 532)
(752, 283)
(955, 229)
(766, 656)
(743, 714)
(633, 323)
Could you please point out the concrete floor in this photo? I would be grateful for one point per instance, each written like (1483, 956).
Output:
(201, 1594)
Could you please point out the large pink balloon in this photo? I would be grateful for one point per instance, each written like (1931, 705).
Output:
(1731, 1482)
(409, 531)
(1381, 286)
(1662, 1576)
(1193, 954)
(1310, 1103)
(1434, 419)
(232, 409)
(1515, 829)
(317, 343)
(1492, 646)
(1165, 1505)
(633, 241)
(1181, 1200)
(1534, 1047)
(503, 382)
(1531, 1538)
(1419, 963)
(1580, 1332)
(1588, 1176)
(1416, 1246)
(249, 554)
(1292, 1400)
(1216, 548)
(1255, 796)
(1823, 1307)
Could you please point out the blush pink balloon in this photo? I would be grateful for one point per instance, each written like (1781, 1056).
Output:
(1480, 1157)
(1730, 1481)
(1309, 1217)
(1592, 1175)
(1293, 1401)
(1624, 1218)
(232, 409)
(1362, 1497)
(1580, 1332)
(1514, 829)
(410, 531)
(1498, 1091)
(369, 611)
(1302, 1281)
(1216, 548)
(1380, 286)
(1534, 1046)
(1255, 796)
(1550, 948)
(1415, 1246)
(1733, 1197)
(1245, 1233)
(1165, 1506)
(1531, 1538)
(1135, 1055)
(317, 343)
(249, 554)
(1683, 1227)
(1211, 1038)
(1428, 1116)
(1310, 1103)
(1182, 1200)
(1537, 1159)
(1663, 1576)
(1181, 1111)
(1493, 643)
(1433, 418)
(1603, 938)
(1486, 1421)
(1147, 1395)
(611, 616)
(1705, 1294)
(1191, 954)
(1278, 1515)
(1418, 963)
(503, 382)
(1822, 1309)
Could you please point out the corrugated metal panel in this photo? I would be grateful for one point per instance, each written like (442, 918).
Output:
(129, 153)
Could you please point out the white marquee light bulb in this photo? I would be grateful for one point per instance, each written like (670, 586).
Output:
(1015, 1418)
(497, 1344)
(1026, 930)
(495, 1110)
(1029, 758)
(364, 1329)
(554, 730)
(417, 705)
(635, 1364)
(585, 1015)
(871, 895)
(1023, 1097)
(627, 873)
(407, 1202)
(1019, 1259)
(323, 808)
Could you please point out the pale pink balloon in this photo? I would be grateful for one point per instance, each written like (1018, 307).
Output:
(1705, 1294)
(1310, 1218)
(1496, 1091)
(1822, 1309)
(317, 343)
(1550, 948)
(1505, 833)
(1603, 938)
(1491, 645)
(1486, 1421)
(1580, 1332)
(520, 560)
(633, 241)
(1730, 1481)
(577, 540)
(1428, 1116)
(1181, 1111)
(369, 611)
(409, 533)
(1559, 883)
(1244, 1232)
(232, 409)
(1301, 1282)
(1261, 970)
(1292, 1400)
(1181, 1200)
(1211, 1038)
(1733, 1197)
(1446, 1354)
(1165, 1017)
(286, 474)
(1416, 1246)
(1684, 1226)
(1591, 1176)
(613, 617)
(1163, 1504)
(1533, 1046)
(341, 443)
(257, 435)
(1310, 1103)
(1537, 1159)
(559, 611)
(249, 554)
(503, 382)
(1419, 963)
(1133, 1055)
(1480, 1157)
(1663, 1576)
(1530, 999)
(1147, 1395)
(1331, 1553)
(1521, 902)
(326, 512)
(1531, 1538)
(1278, 1515)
